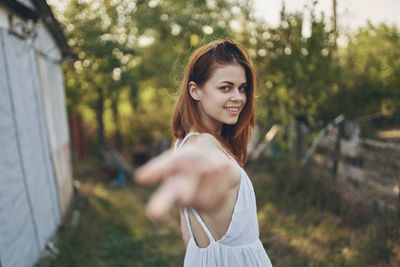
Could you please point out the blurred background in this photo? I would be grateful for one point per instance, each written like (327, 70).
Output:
(324, 157)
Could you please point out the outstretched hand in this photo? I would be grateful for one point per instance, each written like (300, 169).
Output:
(188, 178)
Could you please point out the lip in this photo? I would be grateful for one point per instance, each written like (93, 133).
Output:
(233, 110)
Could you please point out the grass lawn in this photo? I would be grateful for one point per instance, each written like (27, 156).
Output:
(302, 223)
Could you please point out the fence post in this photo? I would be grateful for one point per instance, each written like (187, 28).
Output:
(398, 196)
(336, 153)
(302, 131)
(398, 208)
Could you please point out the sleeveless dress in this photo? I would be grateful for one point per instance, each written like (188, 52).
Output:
(240, 246)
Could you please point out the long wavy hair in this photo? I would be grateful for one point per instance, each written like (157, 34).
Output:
(201, 65)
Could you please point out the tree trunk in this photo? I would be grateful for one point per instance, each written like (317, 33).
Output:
(334, 25)
(100, 124)
(117, 123)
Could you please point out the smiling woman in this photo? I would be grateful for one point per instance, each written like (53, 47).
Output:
(207, 67)
(220, 101)
(203, 174)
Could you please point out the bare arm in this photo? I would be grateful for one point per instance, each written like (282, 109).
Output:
(199, 175)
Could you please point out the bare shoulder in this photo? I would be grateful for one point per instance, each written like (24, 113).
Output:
(208, 144)
(209, 147)
(206, 138)
(204, 141)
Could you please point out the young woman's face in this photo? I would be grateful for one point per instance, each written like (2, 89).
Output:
(222, 97)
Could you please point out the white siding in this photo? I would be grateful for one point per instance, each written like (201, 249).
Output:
(57, 126)
(18, 242)
(35, 169)
(33, 160)
(46, 43)
(51, 79)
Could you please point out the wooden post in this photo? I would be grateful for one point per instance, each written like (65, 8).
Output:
(324, 132)
(398, 194)
(336, 153)
(301, 132)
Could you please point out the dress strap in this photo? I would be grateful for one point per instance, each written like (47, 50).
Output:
(186, 213)
(179, 144)
(203, 225)
(176, 145)
(200, 220)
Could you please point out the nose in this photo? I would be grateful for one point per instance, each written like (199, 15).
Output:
(237, 95)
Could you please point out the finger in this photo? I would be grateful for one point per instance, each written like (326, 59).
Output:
(161, 201)
(213, 189)
(168, 163)
(176, 189)
(187, 186)
(157, 168)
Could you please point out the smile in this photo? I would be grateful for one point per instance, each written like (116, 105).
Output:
(233, 110)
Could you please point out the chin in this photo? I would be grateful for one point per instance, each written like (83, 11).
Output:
(231, 122)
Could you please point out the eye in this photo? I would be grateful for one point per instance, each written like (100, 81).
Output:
(243, 88)
(225, 88)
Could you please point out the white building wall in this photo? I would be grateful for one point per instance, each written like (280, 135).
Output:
(46, 43)
(57, 127)
(3, 18)
(35, 169)
(52, 86)
(32, 157)
(18, 242)
(48, 57)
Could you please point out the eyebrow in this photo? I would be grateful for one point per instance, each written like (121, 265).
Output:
(231, 83)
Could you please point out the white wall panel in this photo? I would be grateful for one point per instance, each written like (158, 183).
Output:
(33, 142)
(18, 243)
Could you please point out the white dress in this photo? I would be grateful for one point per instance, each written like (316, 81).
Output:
(240, 246)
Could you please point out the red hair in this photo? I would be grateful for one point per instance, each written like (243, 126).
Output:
(200, 68)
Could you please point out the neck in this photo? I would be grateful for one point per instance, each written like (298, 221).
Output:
(214, 130)
(211, 125)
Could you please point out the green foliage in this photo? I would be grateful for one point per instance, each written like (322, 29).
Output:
(113, 229)
(107, 241)
(297, 71)
(371, 71)
(127, 48)
(303, 222)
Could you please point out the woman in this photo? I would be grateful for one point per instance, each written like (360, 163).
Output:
(203, 174)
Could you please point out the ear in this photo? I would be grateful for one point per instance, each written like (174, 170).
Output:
(195, 91)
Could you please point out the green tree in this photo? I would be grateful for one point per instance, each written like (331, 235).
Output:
(371, 72)
(135, 51)
(297, 72)
(102, 68)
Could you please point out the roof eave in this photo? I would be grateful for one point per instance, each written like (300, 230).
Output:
(52, 24)
(21, 10)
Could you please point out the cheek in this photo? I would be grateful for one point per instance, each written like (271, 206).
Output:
(212, 104)
(217, 100)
